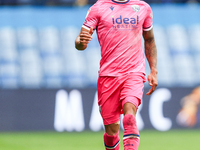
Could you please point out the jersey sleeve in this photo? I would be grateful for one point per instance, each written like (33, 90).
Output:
(92, 18)
(148, 22)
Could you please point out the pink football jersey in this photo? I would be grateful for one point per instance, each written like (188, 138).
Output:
(119, 26)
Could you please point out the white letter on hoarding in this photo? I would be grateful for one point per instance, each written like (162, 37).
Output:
(156, 116)
(68, 111)
(96, 123)
(140, 122)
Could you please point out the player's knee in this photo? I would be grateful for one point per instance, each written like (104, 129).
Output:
(129, 108)
(112, 129)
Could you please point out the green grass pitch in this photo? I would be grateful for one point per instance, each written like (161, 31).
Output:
(150, 140)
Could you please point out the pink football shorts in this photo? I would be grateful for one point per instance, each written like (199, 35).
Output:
(114, 92)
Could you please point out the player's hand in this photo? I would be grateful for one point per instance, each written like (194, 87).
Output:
(86, 36)
(153, 82)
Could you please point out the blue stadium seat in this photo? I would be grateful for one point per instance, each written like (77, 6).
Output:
(53, 71)
(27, 37)
(31, 73)
(49, 42)
(75, 63)
(194, 34)
(178, 39)
(7, 38)
(9, 75)
(9, 67)
(52, 60)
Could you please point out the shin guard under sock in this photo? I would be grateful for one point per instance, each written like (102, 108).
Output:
(112, 142)
(131, 136)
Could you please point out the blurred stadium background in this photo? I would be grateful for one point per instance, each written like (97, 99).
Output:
(47, 85)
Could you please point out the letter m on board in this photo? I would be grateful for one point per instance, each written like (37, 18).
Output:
(68, 111)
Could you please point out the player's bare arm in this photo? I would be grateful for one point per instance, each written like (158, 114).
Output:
(151, 55)
(83, 38)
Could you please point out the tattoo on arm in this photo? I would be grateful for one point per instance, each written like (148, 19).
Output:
(150, 49)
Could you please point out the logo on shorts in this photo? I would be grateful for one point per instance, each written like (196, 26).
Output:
(136, 8)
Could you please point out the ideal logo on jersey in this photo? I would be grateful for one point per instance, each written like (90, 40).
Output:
(125, 23)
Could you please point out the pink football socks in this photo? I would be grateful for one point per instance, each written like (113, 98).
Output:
(131, 136)
(112, 142)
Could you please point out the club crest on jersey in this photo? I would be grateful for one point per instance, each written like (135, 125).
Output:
(136, 8)
(112, 8)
